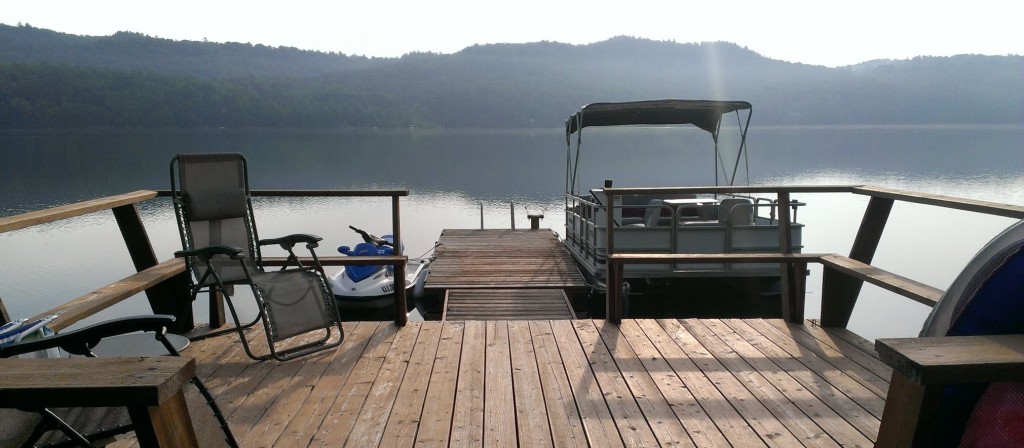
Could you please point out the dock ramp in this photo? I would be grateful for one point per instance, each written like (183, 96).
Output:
(504, 274)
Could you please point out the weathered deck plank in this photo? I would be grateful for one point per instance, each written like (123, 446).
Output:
(687, 408)
(468, 418)
(727, 418)
(436, 422)
(840, 414)
(657, 411)
(771, 431)
(815, 397)
(499, 420)
(703, 383)
(629, 418)
(531, 414)
(502, 259)
(401, 426)
(565, 423)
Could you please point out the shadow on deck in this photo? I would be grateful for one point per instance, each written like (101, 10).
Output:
(689, 382)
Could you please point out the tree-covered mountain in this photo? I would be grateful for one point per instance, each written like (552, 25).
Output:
(128, 80)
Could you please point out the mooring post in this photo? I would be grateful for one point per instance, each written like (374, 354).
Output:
(535, 221)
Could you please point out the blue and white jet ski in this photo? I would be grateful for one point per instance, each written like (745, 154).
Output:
(365, 287)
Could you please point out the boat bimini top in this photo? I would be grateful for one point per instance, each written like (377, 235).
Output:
(704, 114)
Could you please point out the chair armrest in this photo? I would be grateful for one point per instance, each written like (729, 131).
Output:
(955, 359)
(289, 241)
(210, 251)
(81, 341)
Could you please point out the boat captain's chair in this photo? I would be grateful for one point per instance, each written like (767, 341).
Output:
(652, 214)
(736, 211)
(221, 248)
(987, 298)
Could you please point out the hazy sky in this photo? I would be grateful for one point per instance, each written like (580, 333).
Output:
(815, 32)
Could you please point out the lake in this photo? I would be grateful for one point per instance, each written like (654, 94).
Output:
(454, 176)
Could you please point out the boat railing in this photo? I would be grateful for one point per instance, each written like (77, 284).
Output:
(675, 225)
(165, 283)
(843, 276)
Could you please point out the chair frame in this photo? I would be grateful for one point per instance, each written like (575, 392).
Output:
(225, 288)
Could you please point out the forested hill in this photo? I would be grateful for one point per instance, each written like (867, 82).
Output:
(53, 80)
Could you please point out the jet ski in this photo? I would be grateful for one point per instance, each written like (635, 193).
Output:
(367, 287)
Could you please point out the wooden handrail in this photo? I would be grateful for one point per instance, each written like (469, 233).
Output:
(103, 298)
(843, 276)
(319, 193)
(166, 282)
(849, 267)
(970, 205)
(619, 191)
(393, 260)
(911, 289)
(642, 258)
(16, 222)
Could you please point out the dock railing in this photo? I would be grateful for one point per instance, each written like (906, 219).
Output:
(843, 276)
(165, 283)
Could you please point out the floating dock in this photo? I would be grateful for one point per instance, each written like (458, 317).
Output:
(504, 274)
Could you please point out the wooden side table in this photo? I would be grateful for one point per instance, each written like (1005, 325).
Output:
(921, 367)
(151, 389)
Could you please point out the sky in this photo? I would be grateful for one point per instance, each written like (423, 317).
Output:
(819, 32)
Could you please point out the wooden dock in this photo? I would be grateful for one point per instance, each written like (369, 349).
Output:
(645, 383)
(504, 274)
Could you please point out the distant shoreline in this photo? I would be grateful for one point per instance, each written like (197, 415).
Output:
(427, 130)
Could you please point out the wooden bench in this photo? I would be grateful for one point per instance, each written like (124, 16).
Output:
(922, 366)
(151, 389)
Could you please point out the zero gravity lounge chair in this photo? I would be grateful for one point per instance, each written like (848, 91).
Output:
(213, 208)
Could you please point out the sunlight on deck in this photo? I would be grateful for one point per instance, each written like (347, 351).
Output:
(559, 383)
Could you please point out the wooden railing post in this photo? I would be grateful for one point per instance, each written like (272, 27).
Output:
(614, 273)
(217, 317)
(839, 292)
(792, 275)
(169, 297)
(401, 307)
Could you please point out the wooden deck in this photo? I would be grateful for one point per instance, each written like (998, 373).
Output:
(744, 383)
(494, 259)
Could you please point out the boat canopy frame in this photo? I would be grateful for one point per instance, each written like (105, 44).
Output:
(703, 114)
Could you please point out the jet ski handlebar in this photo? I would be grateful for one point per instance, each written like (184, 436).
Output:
(372, 239)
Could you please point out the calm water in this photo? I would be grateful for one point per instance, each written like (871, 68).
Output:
(452, 174)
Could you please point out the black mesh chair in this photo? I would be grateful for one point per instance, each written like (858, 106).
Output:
(213, 207)
(93, 426)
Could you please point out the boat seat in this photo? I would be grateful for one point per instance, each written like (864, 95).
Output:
(736, 212)
(652, 215)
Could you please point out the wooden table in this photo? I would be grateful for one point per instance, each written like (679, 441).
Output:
(151, 389)
(922, 366)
